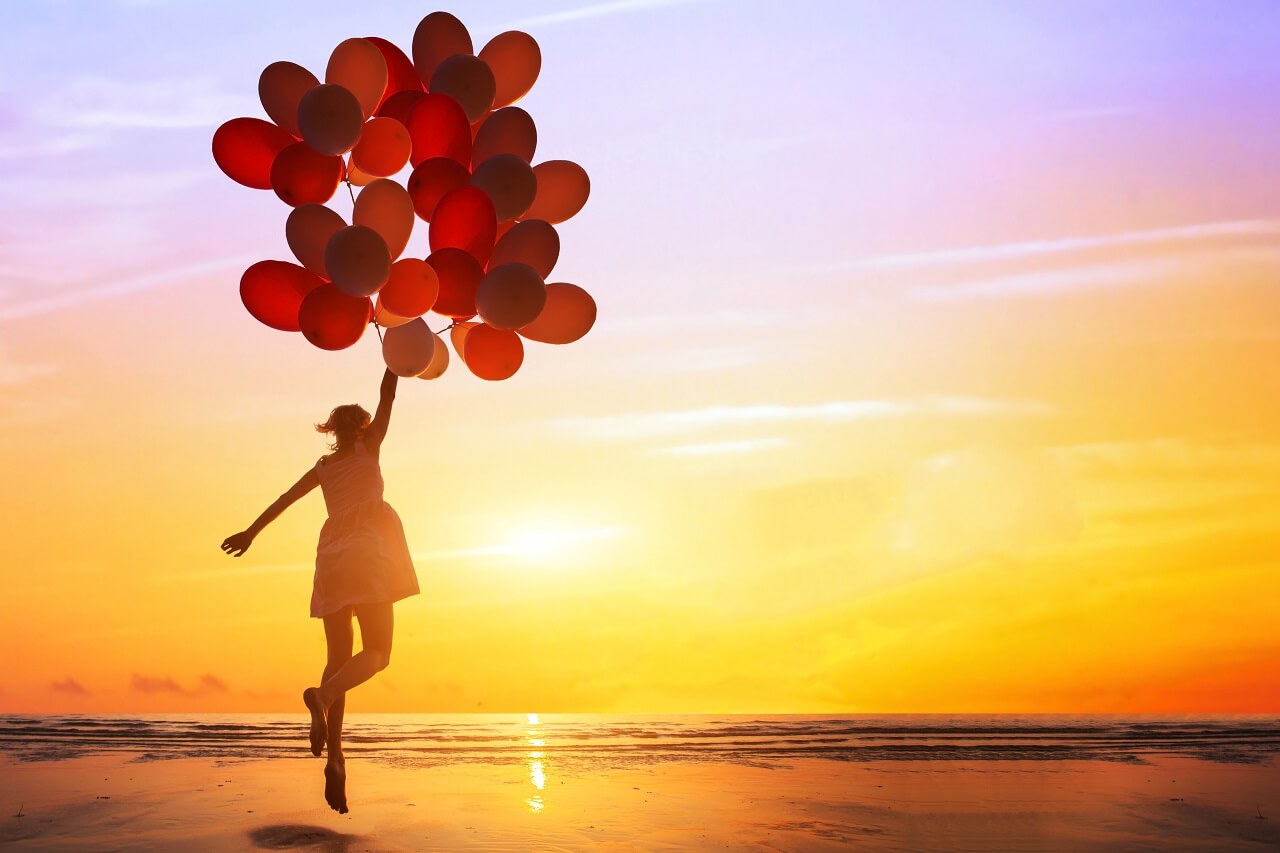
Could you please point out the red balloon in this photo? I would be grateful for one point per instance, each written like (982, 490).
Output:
(245, 148)
(438, 36)
(411, 289)
(509, 130)
(439, 128)
(568, 313)
(459, 276)
(533, 242)
(301, 175)
(273, 291)
(432, 180)
(465, 219)
(510, 296)
(400, 105)
(491, 353)
(401, 76)
(331, 319)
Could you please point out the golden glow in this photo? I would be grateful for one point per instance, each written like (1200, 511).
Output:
(537, 770)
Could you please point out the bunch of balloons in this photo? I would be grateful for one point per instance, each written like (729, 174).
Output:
(491, 215)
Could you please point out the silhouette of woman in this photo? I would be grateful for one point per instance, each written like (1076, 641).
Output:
(363, 565)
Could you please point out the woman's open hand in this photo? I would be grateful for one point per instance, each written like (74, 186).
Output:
(238, 543)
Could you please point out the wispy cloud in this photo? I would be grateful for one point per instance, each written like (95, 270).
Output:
(599, 10)
(722, 448)
(70, 687)
(95, 102)
(166, 684)
(648, 424)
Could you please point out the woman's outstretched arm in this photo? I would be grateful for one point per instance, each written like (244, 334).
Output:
(238, 543)
(377, 430)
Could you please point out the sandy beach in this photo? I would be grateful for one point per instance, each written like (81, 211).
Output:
(118, 802)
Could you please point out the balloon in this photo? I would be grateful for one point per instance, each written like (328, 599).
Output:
(401, 76)
(400, 105)
(308, 230)
(358, 66)
(458, 335)
(273, 292)
(331, 319)
(509, 183)
(408, 349)
(464, 219)
(385, 207)
(431, 180)
(411, 289)
(383, 148)
(493, 354)
(468, 81)
(280, 88)
(510, 296)
(330, 118)
(533, 242)
(301, 176)
(569, 313)
(563, 188)
(516, 60)
(439, 361)
(245, 148)
(509, 130)
(385, 318)
(358, 260)
(357, 178)
(439, 128)
(438, 36)
(459, 276)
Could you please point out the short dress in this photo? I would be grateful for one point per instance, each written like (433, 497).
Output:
(362, 556)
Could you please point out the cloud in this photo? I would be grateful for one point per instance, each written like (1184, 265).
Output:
(152, 685)
(648, 424)
(720, 448)
(103, 103)
(599, 10)
(69, 686)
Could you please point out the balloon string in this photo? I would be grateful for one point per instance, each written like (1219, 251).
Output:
(377, 329)
(352, 192)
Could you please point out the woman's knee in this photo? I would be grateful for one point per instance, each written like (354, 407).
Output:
(381, 658)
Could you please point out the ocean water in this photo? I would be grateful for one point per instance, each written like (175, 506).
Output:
(595, 741)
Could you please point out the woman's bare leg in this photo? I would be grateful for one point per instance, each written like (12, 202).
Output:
(376, 627)
(339, 639)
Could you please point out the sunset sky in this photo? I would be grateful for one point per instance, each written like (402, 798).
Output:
(937, 369)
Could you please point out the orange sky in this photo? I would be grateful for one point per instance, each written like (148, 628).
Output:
(928, 399)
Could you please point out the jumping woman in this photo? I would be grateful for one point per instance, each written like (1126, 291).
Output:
(362, 566)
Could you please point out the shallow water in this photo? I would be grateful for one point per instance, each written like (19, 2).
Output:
(589, 741)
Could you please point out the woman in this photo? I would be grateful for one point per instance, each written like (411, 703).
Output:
(362, 566)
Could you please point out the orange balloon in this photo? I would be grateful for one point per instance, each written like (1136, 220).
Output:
(493, 354)
(308, 230)
(516, 60)
(359, 67)
(357, 178)
(245, 149)
(468, 81)
(383, 148)
(299, 175)
(357, 260)
(280, 88)
(533, 242)
(509, 182)
(569, 313)
(431, 180)
(331, 319)
(459, 275)
(385, 318)
(510, 296)
(509, 130)
(273, 291)
(385, 207)
(458, 335)
(563, 188)
(439, 361)
(411, 289)
(438, 36)
(330, 118)
(409, 349)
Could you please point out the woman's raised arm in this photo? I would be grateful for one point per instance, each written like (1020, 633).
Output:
(377, 430)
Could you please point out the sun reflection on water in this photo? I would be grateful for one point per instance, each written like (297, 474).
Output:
(537, 772)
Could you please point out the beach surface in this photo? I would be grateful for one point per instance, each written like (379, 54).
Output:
(131, 798)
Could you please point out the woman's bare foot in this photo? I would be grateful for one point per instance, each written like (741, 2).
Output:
(319, 727)
(335, 784)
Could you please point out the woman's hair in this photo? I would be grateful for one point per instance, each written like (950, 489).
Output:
(346, 423)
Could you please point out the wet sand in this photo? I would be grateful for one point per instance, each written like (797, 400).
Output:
(118, 802)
